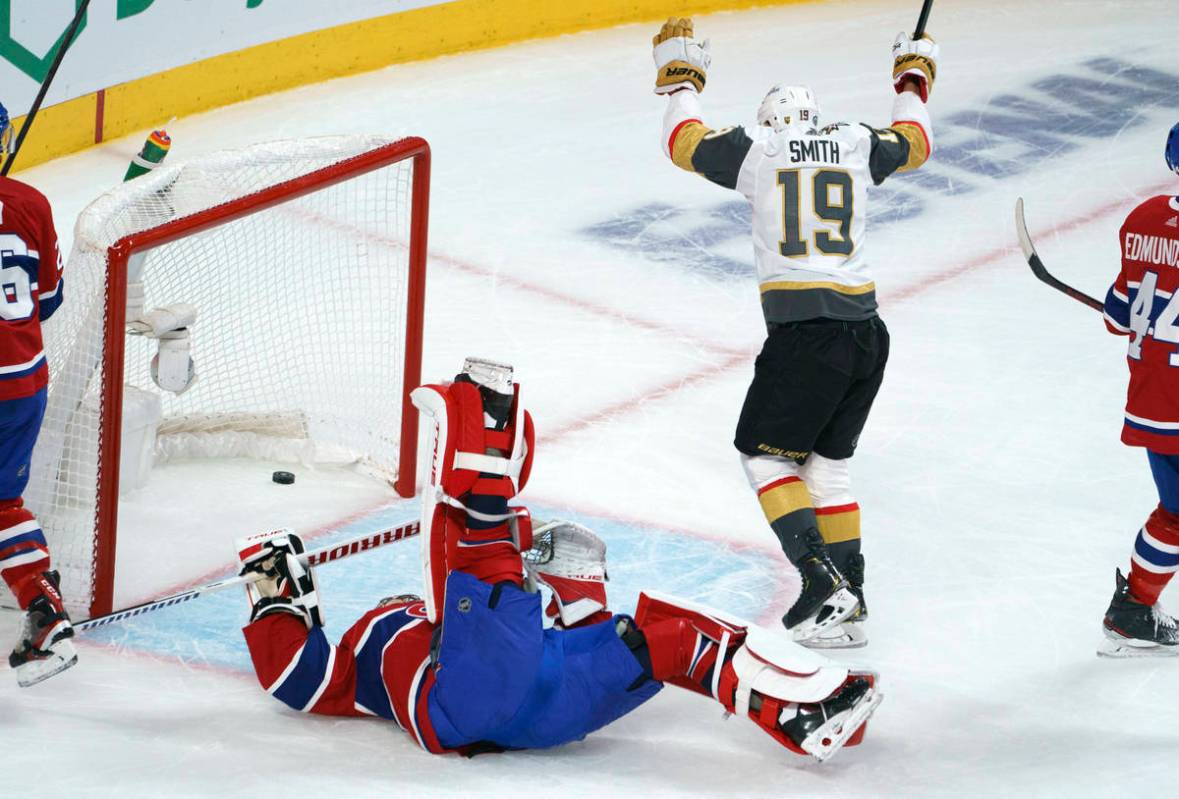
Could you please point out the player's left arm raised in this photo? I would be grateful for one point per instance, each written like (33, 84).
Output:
(908, 142)
(681, 64)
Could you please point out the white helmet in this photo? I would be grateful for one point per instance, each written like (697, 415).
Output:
(785, 106)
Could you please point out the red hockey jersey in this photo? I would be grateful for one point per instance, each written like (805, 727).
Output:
(30, 286)
(380, 668)
(1143, 303)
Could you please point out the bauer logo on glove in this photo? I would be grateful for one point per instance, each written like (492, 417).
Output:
(914, 59)
(681, 61)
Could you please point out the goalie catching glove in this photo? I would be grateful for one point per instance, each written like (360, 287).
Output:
(914, 59)
(681, 62)
(285, 585)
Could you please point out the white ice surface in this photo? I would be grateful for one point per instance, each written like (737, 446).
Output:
(997, 500)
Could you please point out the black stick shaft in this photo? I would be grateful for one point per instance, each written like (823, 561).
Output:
(924, 18)
(61, 51)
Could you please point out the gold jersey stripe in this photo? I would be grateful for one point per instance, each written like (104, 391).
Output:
(803, 285)
(784, 499)
(686, 140)
(838, 527)
(918, 145)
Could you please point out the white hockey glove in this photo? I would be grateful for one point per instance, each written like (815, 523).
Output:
(286, 585)
(571, 560)
(916, 59)
(681, 62)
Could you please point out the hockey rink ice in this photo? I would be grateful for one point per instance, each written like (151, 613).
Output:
(997, 499)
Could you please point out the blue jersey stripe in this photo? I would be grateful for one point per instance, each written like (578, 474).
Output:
(1155, 556)
(1148, 429)
(1117, 308)
(371, 693)
(35, 537)
(309, 673)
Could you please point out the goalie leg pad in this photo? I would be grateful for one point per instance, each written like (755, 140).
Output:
(802, 700)
(475, 470)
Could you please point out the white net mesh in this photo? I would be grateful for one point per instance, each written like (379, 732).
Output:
(299, 339)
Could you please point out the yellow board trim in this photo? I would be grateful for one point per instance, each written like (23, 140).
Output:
(454, 27)
(839, 527)
(802, 285)
(784, 499)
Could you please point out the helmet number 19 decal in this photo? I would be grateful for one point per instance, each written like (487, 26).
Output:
(831, 199)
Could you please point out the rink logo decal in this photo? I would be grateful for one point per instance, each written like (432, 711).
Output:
(1009, 135)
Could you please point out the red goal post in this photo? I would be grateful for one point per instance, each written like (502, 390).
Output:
(413, 150)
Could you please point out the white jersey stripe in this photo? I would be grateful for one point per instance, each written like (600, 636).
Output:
(274, 686)
(19, 529)
(1152, 423)
(20, 367)
(411, 704)
(23, 558)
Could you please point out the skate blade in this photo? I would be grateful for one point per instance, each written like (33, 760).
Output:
(823, 743)
(845, 604)
(1134, 648)
(848, 635)
(34, 671)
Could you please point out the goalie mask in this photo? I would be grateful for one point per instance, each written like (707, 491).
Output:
(789, 107)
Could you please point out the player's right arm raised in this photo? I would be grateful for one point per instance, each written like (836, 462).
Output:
(681, 71)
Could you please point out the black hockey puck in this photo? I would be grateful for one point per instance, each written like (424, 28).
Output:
(286, 478)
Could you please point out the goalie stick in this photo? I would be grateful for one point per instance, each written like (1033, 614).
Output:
(316, 557)
(1038, 269)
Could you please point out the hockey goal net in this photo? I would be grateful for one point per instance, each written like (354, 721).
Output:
(305, 264)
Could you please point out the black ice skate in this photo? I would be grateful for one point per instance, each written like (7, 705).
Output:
(849, 634)
(1133, 629)
(44, 648)
(821, 729)
(825, 600)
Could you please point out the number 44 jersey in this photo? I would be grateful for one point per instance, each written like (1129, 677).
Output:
(1143, 303)
(809, 193)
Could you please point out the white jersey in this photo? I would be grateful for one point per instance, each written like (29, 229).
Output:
(809, 192)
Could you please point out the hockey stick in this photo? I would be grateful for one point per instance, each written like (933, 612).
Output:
(316, 557)
(921, 20)
(1029, 252)
(61, 51)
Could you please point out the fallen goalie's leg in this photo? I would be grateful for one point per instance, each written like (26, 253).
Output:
(805, 702)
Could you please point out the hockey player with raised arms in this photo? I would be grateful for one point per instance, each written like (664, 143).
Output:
(512, 646)
(31, 289)
(824, 356)
(1143, 303)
